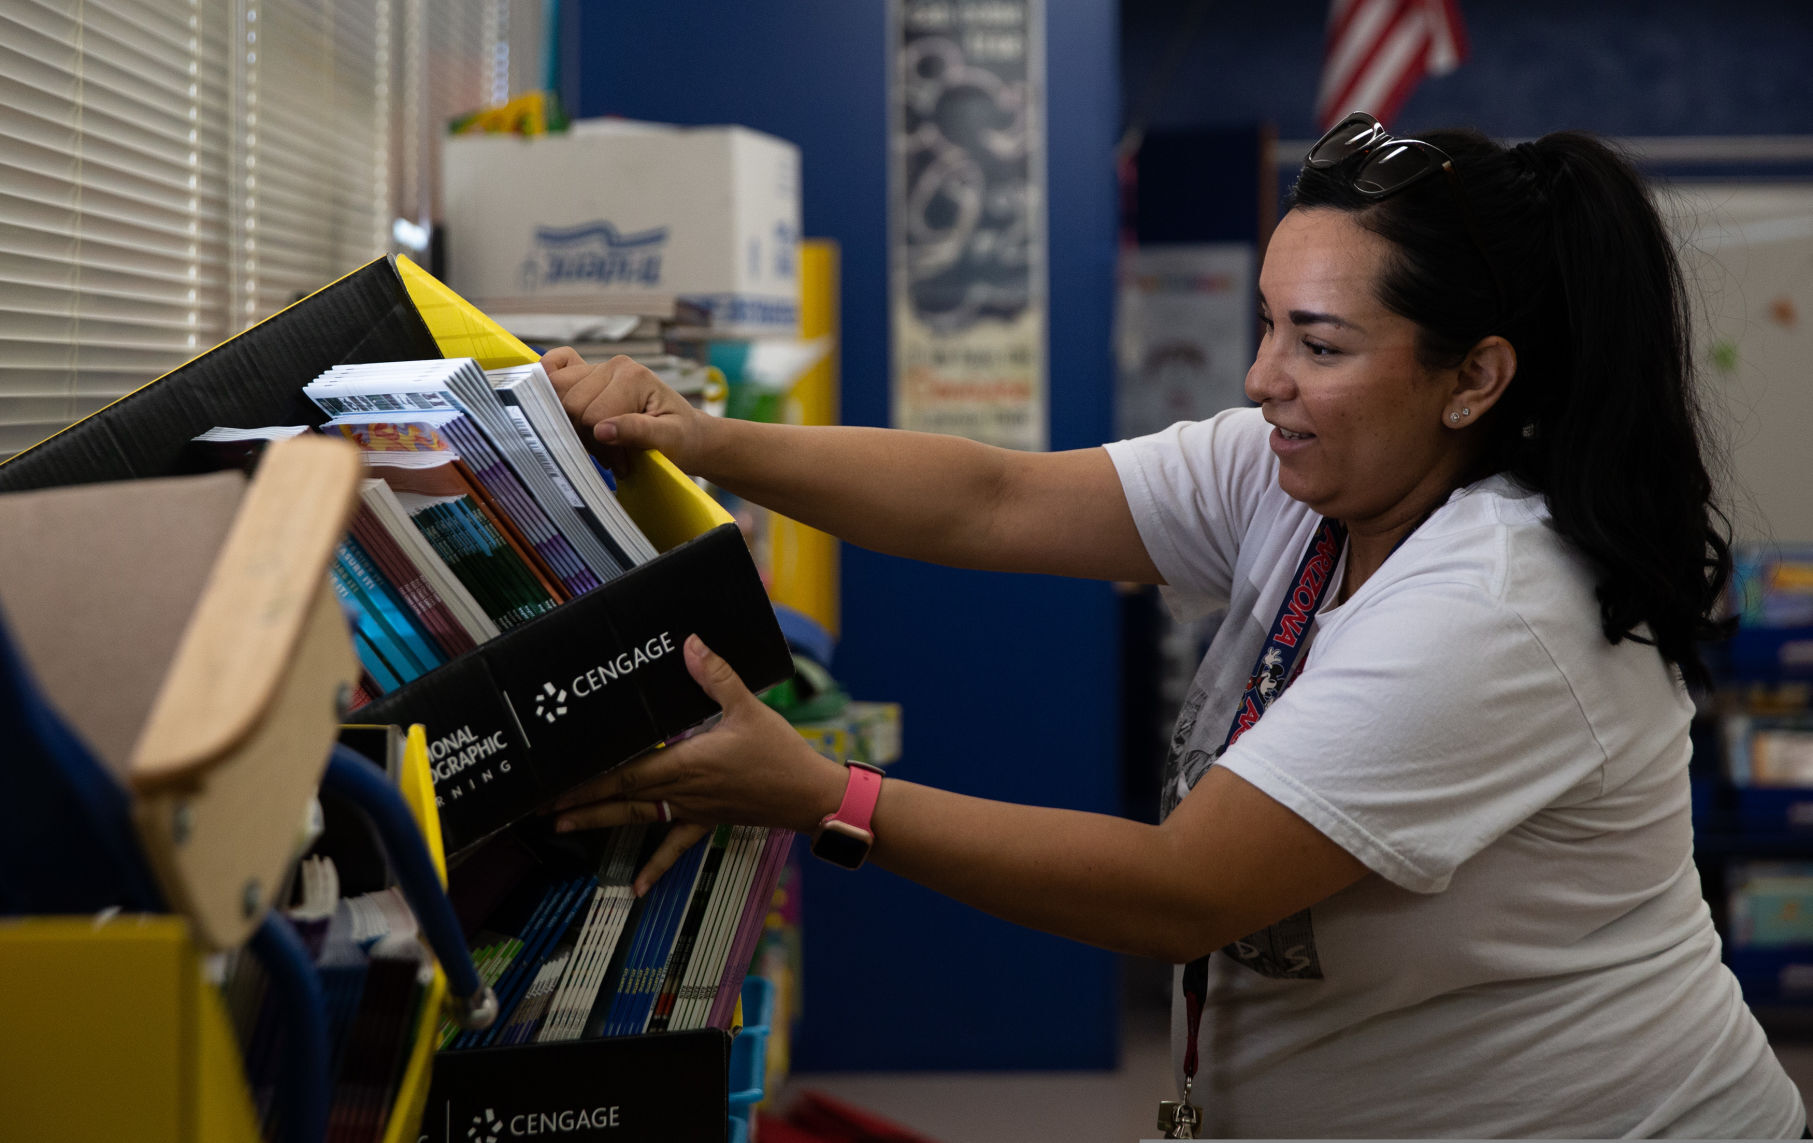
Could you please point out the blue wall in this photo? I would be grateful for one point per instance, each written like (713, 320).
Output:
(1009, 683)
(1619, 67)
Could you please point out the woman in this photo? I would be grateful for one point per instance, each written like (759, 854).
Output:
(1428, 793)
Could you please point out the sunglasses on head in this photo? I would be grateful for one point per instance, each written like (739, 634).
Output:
(1388, 165)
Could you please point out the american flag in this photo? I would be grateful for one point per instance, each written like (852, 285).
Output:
(1379, 49)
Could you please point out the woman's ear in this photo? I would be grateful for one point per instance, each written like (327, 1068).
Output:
(1483, 376)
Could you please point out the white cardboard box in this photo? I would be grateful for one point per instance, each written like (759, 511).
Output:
(616, 209)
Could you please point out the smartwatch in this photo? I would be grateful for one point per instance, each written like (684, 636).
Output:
(844, 836)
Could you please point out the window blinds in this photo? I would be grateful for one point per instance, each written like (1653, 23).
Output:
(172, 171)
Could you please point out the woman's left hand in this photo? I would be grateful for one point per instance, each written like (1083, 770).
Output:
(752, 768)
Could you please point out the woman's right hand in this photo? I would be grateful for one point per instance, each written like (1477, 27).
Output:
(622, 405)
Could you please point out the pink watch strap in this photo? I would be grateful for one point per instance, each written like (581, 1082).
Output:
(860, 793)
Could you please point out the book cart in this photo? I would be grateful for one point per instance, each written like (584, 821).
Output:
(158, 755)
(665, 1086)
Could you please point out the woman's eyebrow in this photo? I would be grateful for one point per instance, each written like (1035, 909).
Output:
(1311, 317)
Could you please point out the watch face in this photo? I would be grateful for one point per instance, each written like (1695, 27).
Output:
(841, 844)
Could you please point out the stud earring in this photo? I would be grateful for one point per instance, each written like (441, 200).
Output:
(1466, 412)
(1454, 418)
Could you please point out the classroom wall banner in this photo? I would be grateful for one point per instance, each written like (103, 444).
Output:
(1184, 335)
(967, 219)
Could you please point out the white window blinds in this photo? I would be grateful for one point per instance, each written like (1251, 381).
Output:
(172, 171)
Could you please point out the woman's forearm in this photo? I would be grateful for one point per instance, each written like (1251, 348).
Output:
(1228, 861)
(936, 498)
(1102, 880)
(941, 499)
(908, 494)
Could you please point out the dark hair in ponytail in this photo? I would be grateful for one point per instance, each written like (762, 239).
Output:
(1601, 416)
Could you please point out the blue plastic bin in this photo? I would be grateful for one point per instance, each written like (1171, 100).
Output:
(749, 1054)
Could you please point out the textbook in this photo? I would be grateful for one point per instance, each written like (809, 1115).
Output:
(491, 441)
(529, 399)
(388, 513)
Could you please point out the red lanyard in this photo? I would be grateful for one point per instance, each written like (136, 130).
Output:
(1276, 668)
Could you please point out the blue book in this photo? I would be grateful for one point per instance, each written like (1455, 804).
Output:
(666, 937)
(381, 675)
(651, 905)
(372, 622)
(371, 655)
(393, 612)
(604, 470)
(638, 940)
(660, 922)
(538, 943)
(510, 986)
(470, 1039)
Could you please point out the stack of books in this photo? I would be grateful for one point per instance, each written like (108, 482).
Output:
(482, 509)
(578, 956)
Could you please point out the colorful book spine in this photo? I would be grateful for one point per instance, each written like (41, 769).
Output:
(511, 970)
(480, 559)
(423, 601)
(392, 611)
(598, 1019)
(382, 660)
(666, 992)
(512, 403)
(560, 904)
(635, 998)
(437, 525)
(534, 1005)
(598, 947)
(584, 951)
(749, 927)
(699, 987)
(503, 560)
(492, 471)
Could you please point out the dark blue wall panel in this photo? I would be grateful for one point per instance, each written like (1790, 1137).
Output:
(1620, 67)
(1009, 683)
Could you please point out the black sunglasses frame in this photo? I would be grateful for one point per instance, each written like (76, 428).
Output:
(1362, 137)
(1370, 145)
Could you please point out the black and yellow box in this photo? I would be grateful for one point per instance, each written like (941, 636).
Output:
(529, 714)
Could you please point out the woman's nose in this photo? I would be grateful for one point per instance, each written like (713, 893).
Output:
(1266, 378)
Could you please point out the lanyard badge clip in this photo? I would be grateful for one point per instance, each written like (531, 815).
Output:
(1179, 1118)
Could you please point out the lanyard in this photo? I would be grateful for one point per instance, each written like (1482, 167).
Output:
(1277, 667)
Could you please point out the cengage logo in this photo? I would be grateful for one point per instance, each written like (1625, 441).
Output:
(486, 1128)
(550, 704)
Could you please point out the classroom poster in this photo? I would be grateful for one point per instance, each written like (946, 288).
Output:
(1184, 336)
(967, 220)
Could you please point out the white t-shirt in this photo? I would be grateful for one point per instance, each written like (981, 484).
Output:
(1532, 956)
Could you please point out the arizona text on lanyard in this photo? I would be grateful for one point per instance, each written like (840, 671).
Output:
(1277, 666)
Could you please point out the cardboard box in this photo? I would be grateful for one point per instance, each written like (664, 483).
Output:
(501, 737)
(619, 210)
